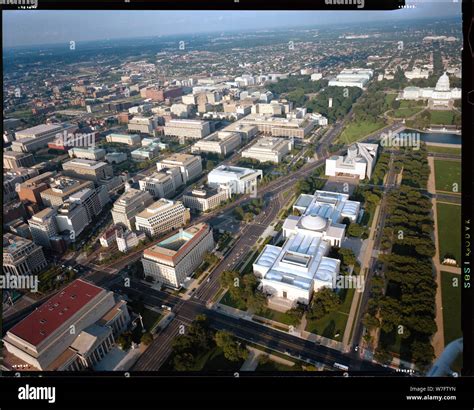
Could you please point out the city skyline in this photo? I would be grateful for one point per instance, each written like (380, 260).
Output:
(27, 28)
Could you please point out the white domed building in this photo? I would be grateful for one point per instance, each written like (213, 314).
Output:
(441, 96)
(291, 273)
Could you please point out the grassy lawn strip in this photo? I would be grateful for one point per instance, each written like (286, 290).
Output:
(444, 150)
(357, 130)
(449, 230)
(447, 173)
(271, 314)
(442, 117)
(451, 306)
(335, 322)
(389, 99)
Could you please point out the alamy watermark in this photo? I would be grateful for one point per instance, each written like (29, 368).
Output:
(65, 139)
(359, 3)
(356, 282)
(9, 281)
(26, 3)
(402, 139)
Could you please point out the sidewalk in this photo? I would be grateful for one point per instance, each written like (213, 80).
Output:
(438, 337)
(346, 339)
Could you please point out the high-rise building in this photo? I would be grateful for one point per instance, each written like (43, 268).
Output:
(72, 217)
(162, 216)
(176, 257)
(129, 205)
(22, 256)
(43, 227)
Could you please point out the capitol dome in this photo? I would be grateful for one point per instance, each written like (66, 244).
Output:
(313, 222)
(443, 83)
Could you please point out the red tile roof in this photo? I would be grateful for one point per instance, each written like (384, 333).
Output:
(46, 319)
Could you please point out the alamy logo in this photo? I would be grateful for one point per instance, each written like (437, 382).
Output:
(37, 393)
(359, 3)
(28, 3)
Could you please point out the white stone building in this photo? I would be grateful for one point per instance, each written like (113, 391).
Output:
(237, 180)
(358, 162)
(292, 272)
(269, 149)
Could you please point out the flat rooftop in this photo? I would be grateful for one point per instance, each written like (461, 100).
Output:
(39, 129)
(12, 243)
(46, 319)
(171, 246)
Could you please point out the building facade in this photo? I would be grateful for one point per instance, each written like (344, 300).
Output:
(177, 257)
(162, 216)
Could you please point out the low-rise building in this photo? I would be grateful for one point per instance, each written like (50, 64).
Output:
(116, 157)
(162, 216)
(44, 340)
(146, 152)
(142, 125)
(190, 166)
(34, 138)
(205, 198)
(358, 162)
(221, 142)
(162, 184)
(187, 129)
(292, 272)
(176, 257)
(127, 139)
(269, 149)
(15, 160)
(87, 169)
(95, 154)
(128, 240)
(237, 180)
(352, 77)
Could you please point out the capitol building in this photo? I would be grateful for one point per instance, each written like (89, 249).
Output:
(441, 96)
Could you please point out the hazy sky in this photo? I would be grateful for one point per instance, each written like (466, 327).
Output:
(28, 27)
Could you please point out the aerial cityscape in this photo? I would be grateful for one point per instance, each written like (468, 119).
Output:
(260, 197)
